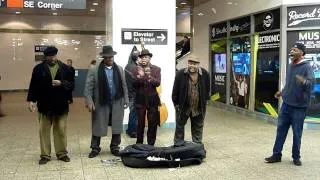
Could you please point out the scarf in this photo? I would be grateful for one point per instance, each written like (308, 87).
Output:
(104, 91)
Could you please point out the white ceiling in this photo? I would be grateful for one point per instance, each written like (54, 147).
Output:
(183, 8)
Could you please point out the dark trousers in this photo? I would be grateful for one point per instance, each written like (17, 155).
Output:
(132, 124)
(196, 128)
(293, 116)
(241, 102)
(114, 145)
(153, 120)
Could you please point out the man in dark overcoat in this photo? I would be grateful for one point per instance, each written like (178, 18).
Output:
(51, 84)
(106, 97)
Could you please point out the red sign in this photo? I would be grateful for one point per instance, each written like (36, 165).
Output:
(15, 3)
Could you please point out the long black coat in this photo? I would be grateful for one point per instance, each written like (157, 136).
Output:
(181, 88)
(51, 100)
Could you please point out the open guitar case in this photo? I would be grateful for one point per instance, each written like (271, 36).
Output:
(147, 156)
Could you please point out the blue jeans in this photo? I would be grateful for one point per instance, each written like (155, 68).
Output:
(293, 116)
(132, 124)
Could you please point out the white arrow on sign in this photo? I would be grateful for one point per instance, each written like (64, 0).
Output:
(162, 37)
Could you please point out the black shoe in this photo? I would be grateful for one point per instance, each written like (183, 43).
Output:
(297, 162)
(273, 159)
(93, 154)
(43, 161)
(133, 135)
(115, 153)
(65, 159)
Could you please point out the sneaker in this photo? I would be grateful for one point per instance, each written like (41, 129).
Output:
(297, 162)
(65, 158)
(273, 159)
(93, 154)
(43, 161)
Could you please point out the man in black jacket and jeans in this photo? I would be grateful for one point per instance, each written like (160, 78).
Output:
(190, 94)
(51, 84)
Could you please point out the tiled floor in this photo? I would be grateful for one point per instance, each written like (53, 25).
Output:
(236, 146)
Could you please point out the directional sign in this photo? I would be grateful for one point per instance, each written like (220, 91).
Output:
(148, 36)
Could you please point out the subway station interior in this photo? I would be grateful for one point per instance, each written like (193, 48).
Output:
(185, 89)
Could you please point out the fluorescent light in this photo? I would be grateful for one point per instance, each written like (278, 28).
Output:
(200, 14)
(18, 12)
(183, 3)
(176, 7)
(229, 3)
(95, 4)
(92, 10)
(54, 13)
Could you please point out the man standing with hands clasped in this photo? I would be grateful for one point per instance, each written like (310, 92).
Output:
(51, 84)
(147, 101)
(296, 97)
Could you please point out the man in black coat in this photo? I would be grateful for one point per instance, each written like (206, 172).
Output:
(49, 90)
(69, 63)
(129, 70)
(190, 94)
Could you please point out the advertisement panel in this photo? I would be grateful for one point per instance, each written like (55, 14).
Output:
(240, 72)
(311, 39)
(219, 70)
(267, 72)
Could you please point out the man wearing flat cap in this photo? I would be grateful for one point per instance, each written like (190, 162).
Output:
(51, 83)
(147, 101)
(106, 97)
(296, 97)
(189, 95)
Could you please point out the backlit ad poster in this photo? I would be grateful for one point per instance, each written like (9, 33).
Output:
(219, 70)
(240, 72)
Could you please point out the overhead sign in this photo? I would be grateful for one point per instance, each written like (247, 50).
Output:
(269, 41)
(267, 21)
(38, 50)
(240, 26)
(44, 4)
(148, 36)
(303, 16)
(219, 31)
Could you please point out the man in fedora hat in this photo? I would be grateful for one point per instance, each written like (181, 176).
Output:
(51, 83)
(190, 93)
(147, 101)
(106, 97)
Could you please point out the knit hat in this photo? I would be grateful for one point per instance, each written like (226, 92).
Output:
(50, 51)
(300, 46)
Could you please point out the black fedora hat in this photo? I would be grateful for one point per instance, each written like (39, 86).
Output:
(107, 51)
(50, 51)
(145, 52)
